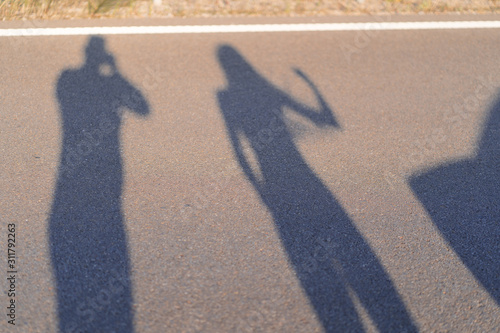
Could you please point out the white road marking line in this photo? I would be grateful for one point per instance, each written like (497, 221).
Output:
(198, 29)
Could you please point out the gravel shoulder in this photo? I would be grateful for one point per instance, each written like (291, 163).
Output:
(71, 9)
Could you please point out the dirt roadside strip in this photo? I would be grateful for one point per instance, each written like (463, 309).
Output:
(71, 9)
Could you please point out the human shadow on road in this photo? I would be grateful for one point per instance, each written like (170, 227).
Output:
(333, 262)
(463, 200)
(88, 241)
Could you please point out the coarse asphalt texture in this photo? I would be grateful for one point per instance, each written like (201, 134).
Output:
(252, 182)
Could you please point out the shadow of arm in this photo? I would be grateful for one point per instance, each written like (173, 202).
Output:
(133, 99)
(232, 125)
(323, 117)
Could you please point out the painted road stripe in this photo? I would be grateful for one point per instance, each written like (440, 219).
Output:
(198, 29)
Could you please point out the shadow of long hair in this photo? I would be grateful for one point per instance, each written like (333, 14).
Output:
(334, 264)
(88, 241)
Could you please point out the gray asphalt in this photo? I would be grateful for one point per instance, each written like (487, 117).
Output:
(248, 182)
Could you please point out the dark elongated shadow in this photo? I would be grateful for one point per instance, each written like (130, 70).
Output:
(335, 265)
(88, 241)
(463, 200)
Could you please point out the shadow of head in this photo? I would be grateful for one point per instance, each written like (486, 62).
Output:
(98, 59)
(236, 68)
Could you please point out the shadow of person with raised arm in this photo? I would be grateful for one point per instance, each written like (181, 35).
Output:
(88, 241)
(463, 200)
(335, 265)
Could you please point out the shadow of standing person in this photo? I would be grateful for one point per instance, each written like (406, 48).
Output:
(333, 262)
(88, 241)
(463, 200)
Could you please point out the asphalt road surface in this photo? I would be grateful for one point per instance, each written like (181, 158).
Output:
(251, 182)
